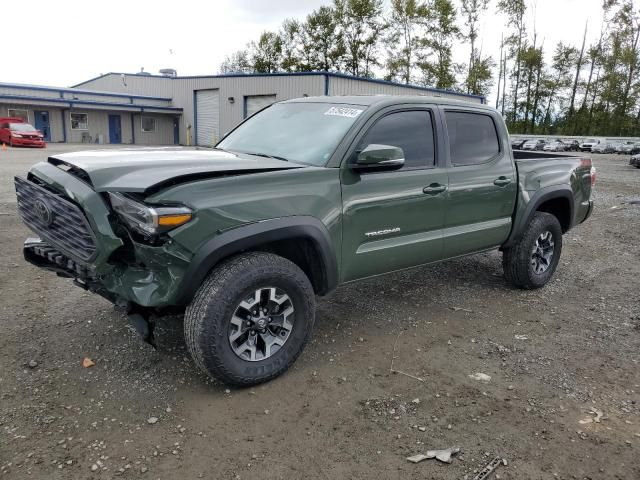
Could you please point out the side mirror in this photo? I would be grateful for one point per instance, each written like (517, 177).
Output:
(376, 156)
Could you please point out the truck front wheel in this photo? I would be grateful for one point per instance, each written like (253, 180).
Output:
(531, 261)
(250, 319)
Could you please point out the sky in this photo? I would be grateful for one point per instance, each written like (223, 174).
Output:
(64, 42)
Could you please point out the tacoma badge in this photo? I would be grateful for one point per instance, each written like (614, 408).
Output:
(386, 231)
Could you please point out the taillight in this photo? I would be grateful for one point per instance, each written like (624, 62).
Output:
(587, 163)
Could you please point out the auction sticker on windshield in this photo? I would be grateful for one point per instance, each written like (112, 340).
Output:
(343, 112)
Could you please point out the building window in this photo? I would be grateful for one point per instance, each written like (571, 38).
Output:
(148, 124)
(79, 121)
(23, 114)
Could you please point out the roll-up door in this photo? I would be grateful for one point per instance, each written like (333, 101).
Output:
(207, 117)
(255, 103)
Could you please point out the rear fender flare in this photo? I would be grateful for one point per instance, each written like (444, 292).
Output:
(253, 235)
(543, 195)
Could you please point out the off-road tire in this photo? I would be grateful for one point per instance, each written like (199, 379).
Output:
(208, 316)
(516, 260)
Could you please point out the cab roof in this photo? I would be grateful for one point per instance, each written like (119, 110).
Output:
(387, 100)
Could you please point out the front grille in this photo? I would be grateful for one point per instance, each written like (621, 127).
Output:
(55, 219)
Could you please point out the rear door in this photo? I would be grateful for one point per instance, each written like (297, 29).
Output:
(393, 219)
(482, 181)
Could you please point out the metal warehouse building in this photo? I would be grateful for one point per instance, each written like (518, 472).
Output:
(77, 115)
(164, 110)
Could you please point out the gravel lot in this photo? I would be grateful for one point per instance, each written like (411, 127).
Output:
(556, 357)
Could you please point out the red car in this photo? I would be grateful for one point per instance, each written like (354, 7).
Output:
(15, 132)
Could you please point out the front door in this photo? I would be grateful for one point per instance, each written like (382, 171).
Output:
(176, 130)
(115, 129)
(42, 124)
(482, 182)
(393, 219)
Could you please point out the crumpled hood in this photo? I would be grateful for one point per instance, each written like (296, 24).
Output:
(139, 170)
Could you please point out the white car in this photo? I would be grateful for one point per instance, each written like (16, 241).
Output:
(557, 146)
(589, 143)
(535, 144)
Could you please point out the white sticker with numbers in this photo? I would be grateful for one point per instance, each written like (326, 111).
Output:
(343, 112)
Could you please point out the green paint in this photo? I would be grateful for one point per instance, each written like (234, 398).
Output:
(377, 221)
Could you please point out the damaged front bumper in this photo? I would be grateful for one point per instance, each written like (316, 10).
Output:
(122, 270)
(153, 280)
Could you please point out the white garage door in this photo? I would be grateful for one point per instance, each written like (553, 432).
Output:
(255, 103)
(208, 117)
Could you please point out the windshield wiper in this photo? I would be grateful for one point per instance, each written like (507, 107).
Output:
(264, 155)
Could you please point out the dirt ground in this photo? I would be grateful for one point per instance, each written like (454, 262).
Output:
(556, 357)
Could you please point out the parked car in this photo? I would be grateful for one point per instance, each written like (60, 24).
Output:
(635, 160)
(628, 148)
(15, 132)
(556, 146)
(534, 144)
(620, 146)
(572, 145)
(589, 143)
(291, 204)
(604, 148)
(516, 143)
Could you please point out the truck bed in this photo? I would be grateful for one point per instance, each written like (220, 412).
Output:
(543, 172)
(533, 154)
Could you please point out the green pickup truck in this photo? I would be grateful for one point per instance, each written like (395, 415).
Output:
(300, 198)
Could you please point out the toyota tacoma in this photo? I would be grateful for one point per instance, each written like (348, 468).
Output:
(304, 196)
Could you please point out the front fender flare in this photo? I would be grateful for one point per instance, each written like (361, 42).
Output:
(253, 235)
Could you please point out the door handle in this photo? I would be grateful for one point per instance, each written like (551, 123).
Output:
(502, 181)
(434, 189)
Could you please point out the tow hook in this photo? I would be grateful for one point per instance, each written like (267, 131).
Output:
(143, 326)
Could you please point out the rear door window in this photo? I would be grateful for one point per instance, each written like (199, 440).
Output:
(473, 138)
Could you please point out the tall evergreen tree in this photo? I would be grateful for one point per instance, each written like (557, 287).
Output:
(266, 53)
(361, 27)
(237, 62)
(291, 41)
(564, 60)
(322, 46)
(576, 78)
(515, 12)
(403, 40)
(436, 63)
(477, 67)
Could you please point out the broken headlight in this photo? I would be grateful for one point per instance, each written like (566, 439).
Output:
(148, 220)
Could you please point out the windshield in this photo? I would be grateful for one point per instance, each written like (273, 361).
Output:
(299, 132)
(590, 140)
(21, 127)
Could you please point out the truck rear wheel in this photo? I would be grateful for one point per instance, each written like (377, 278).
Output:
(250, 319)
(532, 260)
